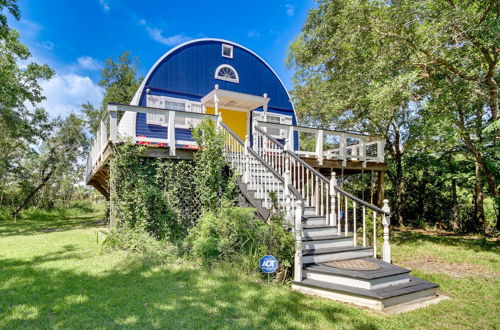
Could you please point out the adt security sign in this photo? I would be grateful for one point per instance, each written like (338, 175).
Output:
(268, 264)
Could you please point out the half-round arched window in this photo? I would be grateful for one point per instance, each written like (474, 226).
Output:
(227, 73)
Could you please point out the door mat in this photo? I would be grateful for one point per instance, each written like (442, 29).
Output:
(353, 264)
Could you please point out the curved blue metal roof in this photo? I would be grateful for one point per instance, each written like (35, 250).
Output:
(188, 72)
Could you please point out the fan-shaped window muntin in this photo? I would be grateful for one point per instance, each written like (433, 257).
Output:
(227, 73)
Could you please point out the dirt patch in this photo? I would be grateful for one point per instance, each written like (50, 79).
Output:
(434, 266)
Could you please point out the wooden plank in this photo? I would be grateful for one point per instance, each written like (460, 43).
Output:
(351, 165)
(414, 285)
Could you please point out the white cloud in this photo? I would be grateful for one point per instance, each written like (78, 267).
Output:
(31, 25)
(253, 34)
(46, 44)
(142, 21)
(156, 34)
(66, 92)
(88, 63)
(290, 9)
(105, 5)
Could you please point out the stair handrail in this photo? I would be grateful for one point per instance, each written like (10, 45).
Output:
(327, 208)
(276, 174)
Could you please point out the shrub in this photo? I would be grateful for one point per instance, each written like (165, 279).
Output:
(279, 240)
(225, 234)
(137, 240)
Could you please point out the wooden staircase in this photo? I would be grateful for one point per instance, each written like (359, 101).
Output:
(382, 286)
(328, 261)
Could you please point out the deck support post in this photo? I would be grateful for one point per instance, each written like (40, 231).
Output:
(171, 132)
(333, 215)
(298, 241)
(112, 197)
(386, 221)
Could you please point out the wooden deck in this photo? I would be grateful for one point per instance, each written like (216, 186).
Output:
(344, 153)
(99, 177)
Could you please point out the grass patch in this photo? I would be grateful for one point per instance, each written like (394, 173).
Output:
(56, 279)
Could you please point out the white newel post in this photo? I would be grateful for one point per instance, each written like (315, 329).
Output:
(298, 241)
(290, 138)
(104, 135)
(342, 149)
(171, 133)
(333, 215)
(113, 124)
(246, 174)
(265, 112)
(380, 151)
(319, 146)
(386, 221)
(362, 152)
(286, 191)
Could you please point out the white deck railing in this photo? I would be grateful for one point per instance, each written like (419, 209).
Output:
(113, 130)
(341, 209)
(330, 144)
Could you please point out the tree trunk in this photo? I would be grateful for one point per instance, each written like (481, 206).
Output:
(455, 216)
(380, 189)
(478, 224)
(27, 199)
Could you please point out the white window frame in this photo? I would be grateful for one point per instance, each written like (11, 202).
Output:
(283, 119)
(226, 46)
(153, 119)
(220, 67)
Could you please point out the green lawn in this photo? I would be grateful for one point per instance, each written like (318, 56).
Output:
(51, 276)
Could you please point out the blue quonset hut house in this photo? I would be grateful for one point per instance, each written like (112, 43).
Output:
(208, 77)
(211, 76)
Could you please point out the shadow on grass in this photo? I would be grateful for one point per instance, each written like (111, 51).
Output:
(468, 242)
(46, 223)
(140, 295)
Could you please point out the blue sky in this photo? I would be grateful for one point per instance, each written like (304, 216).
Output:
(75, 37)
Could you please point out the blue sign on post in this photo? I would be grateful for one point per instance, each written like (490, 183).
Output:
(268, 264)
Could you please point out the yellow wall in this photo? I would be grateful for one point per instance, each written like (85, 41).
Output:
(235, 120)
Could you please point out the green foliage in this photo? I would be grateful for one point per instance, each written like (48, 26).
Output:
(226, 234)
(120, 82)
(166, 197)
(137, 198)
(422, 74)
(213, 177)
(136, 240)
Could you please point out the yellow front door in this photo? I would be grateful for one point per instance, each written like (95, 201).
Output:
(235, 120)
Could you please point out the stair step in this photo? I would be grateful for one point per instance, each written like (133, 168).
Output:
(318, 230)
(326, 237)
(414, 289)
(335, 253)
(386, 275)
(309, 210)
(314, 220)
(326, 242)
